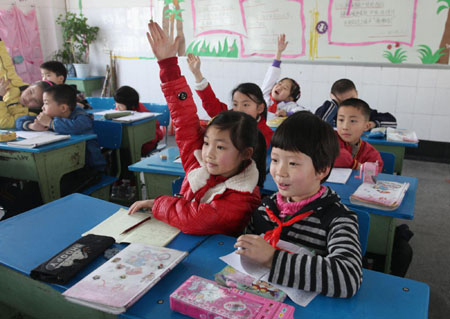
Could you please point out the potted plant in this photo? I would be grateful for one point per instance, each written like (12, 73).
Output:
(77, 36)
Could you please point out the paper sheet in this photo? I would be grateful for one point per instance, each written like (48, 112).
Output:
(339, 175)
(242, 264)
(31, 134)
(152, 232)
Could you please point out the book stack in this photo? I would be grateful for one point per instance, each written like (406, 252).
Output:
(384, 195)
(401, 135)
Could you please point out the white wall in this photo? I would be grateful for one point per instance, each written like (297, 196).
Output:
(418, 97)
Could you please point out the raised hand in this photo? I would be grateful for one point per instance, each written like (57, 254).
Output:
(282, 44)
(163, 46)
(194, 65)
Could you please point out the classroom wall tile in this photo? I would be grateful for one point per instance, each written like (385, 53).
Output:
(406, 97)
(319, 94)
(304, 73)
(320, 73)
(421, 125)
(387, 100)
(389, 76)
(405, 120)
(441, 104)
(427, 78)
(306, 97)
(407, 77)
(370, 93)
(443, 79)
(336, 72)
(424, 100)
(354, 73)
(440, 128)
(371, 75)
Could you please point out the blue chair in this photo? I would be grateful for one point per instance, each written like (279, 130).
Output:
(364, 224)
(176, 185)
(101, 103)
(163, 118)
(388, 162)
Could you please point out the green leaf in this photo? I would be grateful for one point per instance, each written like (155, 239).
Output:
(441, 8)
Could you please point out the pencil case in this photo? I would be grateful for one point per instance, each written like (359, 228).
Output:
(7, 136)
(232, 278)
(201, 298)
(67, 263)
(110, 116)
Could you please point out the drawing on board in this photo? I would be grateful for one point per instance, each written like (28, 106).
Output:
(445, 41)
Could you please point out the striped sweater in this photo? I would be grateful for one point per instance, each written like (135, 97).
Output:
(331, 232)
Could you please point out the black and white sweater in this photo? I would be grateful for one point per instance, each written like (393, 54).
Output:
(331, 232)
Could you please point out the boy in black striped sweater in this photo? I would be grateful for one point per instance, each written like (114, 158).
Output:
(305, 213)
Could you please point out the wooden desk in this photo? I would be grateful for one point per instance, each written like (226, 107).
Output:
(87, 85)
(382, 223)
(159, 173)
(33, 237)
(380, 296)
(46, 164)
(134, 135)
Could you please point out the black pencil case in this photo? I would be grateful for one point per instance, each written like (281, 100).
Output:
(67, 263)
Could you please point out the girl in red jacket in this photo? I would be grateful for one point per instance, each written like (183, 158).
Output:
(223, 163)
(127, 99)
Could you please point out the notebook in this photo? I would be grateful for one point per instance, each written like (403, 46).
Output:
(38, 141)
(339, 175)
(384, 195)
(122, 280)
(202, 298)
(152, 232)
(401, 135)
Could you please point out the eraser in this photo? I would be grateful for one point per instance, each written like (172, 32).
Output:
(163, 157)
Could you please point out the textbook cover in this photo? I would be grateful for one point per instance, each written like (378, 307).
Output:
(201, 298)
(384, 195)
(122, 280)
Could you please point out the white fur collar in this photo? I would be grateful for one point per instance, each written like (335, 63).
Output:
(242, 182)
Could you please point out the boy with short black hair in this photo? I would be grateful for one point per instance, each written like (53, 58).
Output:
(61, 114)
(352, 120)
(53, 71)
(344, 89)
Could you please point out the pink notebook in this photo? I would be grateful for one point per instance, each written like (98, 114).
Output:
(122, 280)
(201, 298)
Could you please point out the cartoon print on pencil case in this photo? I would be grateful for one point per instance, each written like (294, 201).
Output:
(209, 293)
(235, 306)
(148, 278)
(385, 187)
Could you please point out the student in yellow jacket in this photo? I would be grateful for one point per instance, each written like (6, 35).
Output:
(17, 98)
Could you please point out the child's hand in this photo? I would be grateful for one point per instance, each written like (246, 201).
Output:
(36, 126)
(194, 65)
(282, 44)
(142, 204)
(255, 248)
(44, 119)
(281, 113)
(163, 46)
(3, 86)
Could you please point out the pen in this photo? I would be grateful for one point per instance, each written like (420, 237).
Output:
(136, 225)
(177, 157)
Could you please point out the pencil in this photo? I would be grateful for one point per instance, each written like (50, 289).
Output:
(136, 225)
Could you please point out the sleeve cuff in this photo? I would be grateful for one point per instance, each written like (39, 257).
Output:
(200, 86)
(276, 63)
(169, 69)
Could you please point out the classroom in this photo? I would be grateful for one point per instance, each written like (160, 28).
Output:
(396, 55)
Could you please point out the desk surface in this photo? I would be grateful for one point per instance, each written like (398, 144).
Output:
(45, 148)
(405, 211)
(383, 141)
(380, 296)
(31, 238)
(98, 117)
(156, 164)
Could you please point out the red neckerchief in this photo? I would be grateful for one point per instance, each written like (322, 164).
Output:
(273, 107)
(273, 236)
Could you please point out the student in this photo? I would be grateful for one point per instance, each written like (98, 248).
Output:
(247, 98)
(223, 164)
(61, 114)
(305, 213)
(281, 96)
(127, 98)
(56, 72)
(344, 89)
(352, 120)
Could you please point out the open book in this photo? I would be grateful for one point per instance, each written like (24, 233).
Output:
(151, 232)
(384, 195)
(122, 280)
(39, 140)
(127, 116)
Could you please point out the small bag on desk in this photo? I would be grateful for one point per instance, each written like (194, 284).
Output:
(67, 263)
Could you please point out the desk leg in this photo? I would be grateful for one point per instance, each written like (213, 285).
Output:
(52, 165)
(40, 300)
(134, 137)
(381, 238)
(158, 184)
(398, 151)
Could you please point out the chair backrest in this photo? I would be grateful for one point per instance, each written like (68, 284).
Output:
(101, 103)
(176, 185)
(109, 134)
(388, 162)
(364, 224)
(164, 117)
